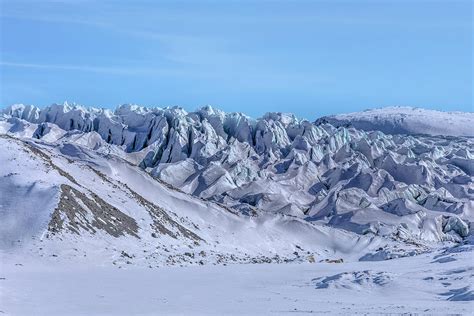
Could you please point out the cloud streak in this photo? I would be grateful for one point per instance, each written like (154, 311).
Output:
(95, 69)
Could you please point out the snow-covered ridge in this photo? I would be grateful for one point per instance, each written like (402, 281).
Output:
(407, 120)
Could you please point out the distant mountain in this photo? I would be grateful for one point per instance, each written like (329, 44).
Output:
(164, 186)
(407, 120)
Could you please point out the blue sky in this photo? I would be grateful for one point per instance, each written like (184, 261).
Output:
(311, 58)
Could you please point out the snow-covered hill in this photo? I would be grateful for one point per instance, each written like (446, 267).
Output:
(67, 202)
(407, 120)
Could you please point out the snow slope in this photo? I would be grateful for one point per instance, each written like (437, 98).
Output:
(407, 120)
(112, 212)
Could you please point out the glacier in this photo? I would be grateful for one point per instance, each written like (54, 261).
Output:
(344, 176)
(407, 120)
(147, 188)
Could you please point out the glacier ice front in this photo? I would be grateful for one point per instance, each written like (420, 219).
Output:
(379, 178)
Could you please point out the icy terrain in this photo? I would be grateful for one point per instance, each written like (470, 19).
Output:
(137, 190)
(431, 284)
(407, 120)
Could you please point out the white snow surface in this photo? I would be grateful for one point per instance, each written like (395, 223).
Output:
(407, 120)
(439, 283)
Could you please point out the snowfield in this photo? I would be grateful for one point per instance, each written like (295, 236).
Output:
(438, 283)
(148, 210)
(407, 120)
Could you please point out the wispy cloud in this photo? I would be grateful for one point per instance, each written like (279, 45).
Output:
(97, 69)
(110, 70)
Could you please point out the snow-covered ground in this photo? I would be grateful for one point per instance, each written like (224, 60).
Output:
(439, 283)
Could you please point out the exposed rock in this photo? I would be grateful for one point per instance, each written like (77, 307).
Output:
(76, 211)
